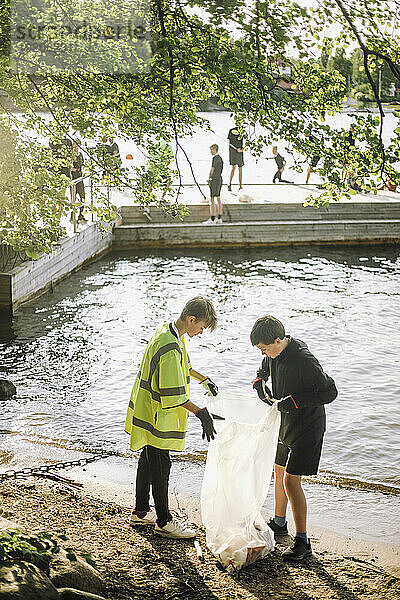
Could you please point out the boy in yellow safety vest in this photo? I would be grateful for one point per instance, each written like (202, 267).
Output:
(157, 415)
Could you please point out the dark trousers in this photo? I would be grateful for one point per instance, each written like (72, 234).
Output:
(153, 470)
(278, 176)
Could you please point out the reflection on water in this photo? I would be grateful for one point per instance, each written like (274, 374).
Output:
(7, 334)
(73, 354)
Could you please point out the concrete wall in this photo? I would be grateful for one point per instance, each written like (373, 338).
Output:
(32, 278)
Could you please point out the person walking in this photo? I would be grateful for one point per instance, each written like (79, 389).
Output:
(157, 415)
(215, 184)
(236, 158)
(301, 388)
(280, 163)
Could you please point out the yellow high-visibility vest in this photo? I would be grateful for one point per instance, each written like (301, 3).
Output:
(155, 415)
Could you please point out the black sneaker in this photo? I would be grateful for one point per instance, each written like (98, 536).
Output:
(299, 550)
(278, 529)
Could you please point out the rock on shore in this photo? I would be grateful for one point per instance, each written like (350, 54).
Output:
(7, 389)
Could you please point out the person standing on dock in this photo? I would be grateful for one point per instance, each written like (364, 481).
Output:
(280, 163)
(215, 184)
(301, 388)
(236, 157)
(157, 415)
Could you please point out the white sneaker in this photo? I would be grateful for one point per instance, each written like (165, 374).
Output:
(146, 212)
(175, 530)
(209, 222)
(149, 519)
(219, 221)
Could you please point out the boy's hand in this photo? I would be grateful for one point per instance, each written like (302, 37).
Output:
(264, 393)
(287, 404)
(207, 424)
(210, 386)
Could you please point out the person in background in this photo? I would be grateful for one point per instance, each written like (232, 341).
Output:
(62, 152)
(347, 173)
(115, 160)
(349, 142)
(157, 415)
(215, 184)
(113, 150)
(314, 158)
(76, 173)
(236, 157)
(280, 163)
(301, 388)
(103, 156)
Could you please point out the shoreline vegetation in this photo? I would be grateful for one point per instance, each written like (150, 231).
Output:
(137, 564)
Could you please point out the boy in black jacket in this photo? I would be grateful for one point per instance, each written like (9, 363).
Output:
(302, 388)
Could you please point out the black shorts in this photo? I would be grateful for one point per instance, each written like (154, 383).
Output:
(235, 157)
(299, 460)
(314, 161)
(215, 188)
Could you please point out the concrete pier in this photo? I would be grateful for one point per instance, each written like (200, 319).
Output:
(34, 277)
(255, 224)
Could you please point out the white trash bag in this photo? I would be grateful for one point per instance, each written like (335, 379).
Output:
(237, 477)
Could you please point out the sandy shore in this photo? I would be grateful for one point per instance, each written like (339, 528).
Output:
(137, 564)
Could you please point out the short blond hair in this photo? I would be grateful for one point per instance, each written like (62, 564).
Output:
(201, 308)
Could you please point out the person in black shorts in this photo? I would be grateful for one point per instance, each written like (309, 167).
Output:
(215, 184)
(302, 388)
(235, 155)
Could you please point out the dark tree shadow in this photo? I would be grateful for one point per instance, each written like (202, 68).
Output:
(291, 579)
(268, 579)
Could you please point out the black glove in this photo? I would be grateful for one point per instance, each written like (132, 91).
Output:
(212, 389)
(287, 404)
(264, 393)
(207, 424)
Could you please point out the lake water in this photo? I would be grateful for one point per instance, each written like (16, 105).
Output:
(73, 355)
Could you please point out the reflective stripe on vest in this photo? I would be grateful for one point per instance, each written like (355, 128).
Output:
(179, 435)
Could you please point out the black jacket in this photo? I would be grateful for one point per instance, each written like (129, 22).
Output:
(297, 372)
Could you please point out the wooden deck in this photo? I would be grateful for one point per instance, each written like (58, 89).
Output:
(260, 224)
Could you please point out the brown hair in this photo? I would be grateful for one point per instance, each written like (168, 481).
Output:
(202, 309)
(214, 146)
(266, 330)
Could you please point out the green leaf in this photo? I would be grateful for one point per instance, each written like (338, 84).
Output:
(32, 253)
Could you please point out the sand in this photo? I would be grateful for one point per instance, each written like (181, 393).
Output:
(137, 564)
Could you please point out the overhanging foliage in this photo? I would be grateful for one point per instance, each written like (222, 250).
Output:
(233, 50)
